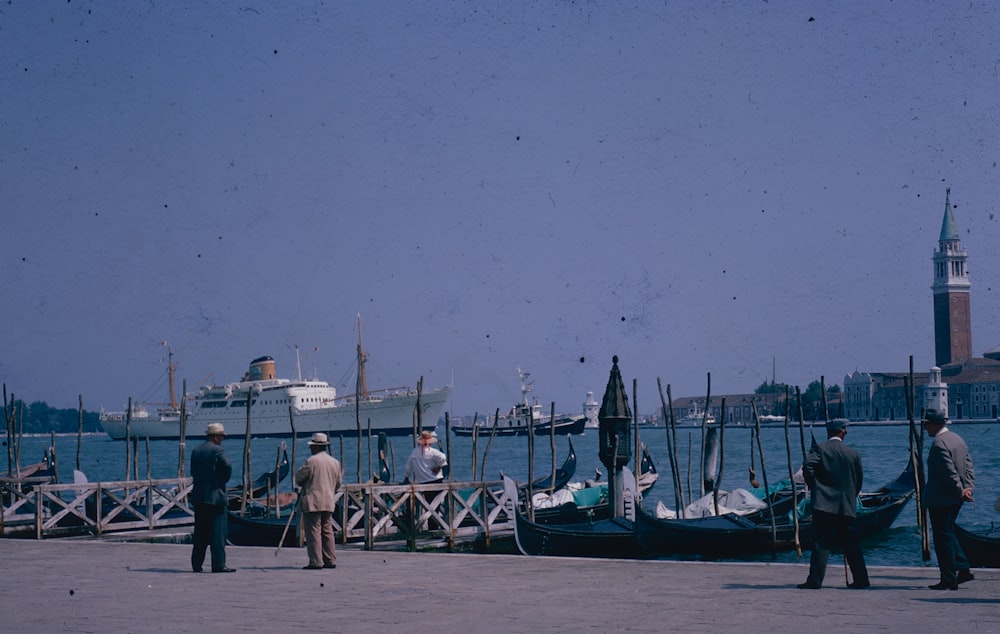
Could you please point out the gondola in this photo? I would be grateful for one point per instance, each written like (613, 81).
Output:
(610, 537)
(981, 545)
(591, 503)
(255, 529)
(262, 484)
(732, 535)
(563, 474)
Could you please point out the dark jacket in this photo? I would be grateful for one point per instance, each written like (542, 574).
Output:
(834, 475)
(210, 471)
(949, 470)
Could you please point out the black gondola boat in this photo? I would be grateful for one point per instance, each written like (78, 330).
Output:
(609, 537)
(981, 545)
(732, 535)
(596, 506)
(563, 474)
(256, 529)
(262, 484)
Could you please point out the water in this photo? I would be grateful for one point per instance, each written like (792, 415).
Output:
(884, 451)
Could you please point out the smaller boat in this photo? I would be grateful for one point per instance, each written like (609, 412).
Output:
(255, 528)
(523, 415)
(563, 474)
(981, 545)
(263, 483)
(696, 416)
(25, 478)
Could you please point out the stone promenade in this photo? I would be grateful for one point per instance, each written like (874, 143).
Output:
(71, 585)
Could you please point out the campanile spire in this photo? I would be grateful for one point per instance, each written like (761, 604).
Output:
(952, 315)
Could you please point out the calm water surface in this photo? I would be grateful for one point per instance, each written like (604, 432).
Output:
(884, 450)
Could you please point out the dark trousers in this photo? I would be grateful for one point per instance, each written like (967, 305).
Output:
(951, 558)
(210, 529)
(832, 531)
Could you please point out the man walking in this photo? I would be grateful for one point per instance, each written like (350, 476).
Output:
(319, 477)
(949, 484)
(834, 475)
(210, 471)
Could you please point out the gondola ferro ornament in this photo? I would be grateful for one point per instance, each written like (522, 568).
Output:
(614, 446)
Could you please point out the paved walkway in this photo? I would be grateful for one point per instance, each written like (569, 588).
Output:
(70, 585)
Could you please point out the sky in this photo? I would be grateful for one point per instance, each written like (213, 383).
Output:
(742, 190)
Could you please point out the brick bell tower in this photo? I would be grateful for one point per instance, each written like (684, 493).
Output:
(952, 317)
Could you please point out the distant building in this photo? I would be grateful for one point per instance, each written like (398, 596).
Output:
(952, 315)
(965, 385)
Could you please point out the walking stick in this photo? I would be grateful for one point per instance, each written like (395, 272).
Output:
(284, 533)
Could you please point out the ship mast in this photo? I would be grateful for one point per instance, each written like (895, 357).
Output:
(170, 377)
(362, 387)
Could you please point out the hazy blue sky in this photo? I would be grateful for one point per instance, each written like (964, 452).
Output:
(696, 187)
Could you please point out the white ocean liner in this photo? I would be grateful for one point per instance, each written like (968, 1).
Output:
(313, 404)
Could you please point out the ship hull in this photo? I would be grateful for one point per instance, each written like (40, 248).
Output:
(393, 415)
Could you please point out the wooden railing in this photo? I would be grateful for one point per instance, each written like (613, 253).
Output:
(439, 515)
(445, 513)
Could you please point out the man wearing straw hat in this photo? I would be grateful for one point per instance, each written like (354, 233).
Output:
(210, 471)
(950, 480)
(425, 464)
(834, 475)
(319, 477)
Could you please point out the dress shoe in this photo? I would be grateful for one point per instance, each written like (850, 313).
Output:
(941, 585)
(808, 585)
(329, 565)
(198, 569)
(310, 567)
(859, 585)
(965, 575)
(225, 570)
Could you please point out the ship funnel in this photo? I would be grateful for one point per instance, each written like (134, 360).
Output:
(261, 369)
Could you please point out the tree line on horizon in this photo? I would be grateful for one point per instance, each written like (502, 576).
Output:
(39, 418)
(812, 400)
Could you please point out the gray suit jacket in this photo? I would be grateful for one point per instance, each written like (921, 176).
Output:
(210, 471)
(949, 470)
(834, 475)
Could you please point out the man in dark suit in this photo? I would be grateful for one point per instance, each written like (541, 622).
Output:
(949, 485)
(834, 475)
(210, 470)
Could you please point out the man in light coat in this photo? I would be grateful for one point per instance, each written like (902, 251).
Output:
(834, 474)
(949, 484)
(319, 477)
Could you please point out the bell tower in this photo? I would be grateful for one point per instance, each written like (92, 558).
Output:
(952, 317)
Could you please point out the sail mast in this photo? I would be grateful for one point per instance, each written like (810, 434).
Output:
(362, 388)
(170, 377)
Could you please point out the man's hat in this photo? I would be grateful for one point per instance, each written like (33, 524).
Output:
(935, 417)
(319, 438)
(428, 436)
(215, 429)
(837, 424)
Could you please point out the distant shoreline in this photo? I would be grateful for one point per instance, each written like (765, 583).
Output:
(860, 423)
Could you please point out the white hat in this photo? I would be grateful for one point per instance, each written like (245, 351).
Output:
(319, 438)
(215, 429)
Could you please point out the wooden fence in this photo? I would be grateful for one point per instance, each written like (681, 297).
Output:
(438, 515)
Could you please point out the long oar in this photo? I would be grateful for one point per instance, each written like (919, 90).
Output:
(284, 533)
